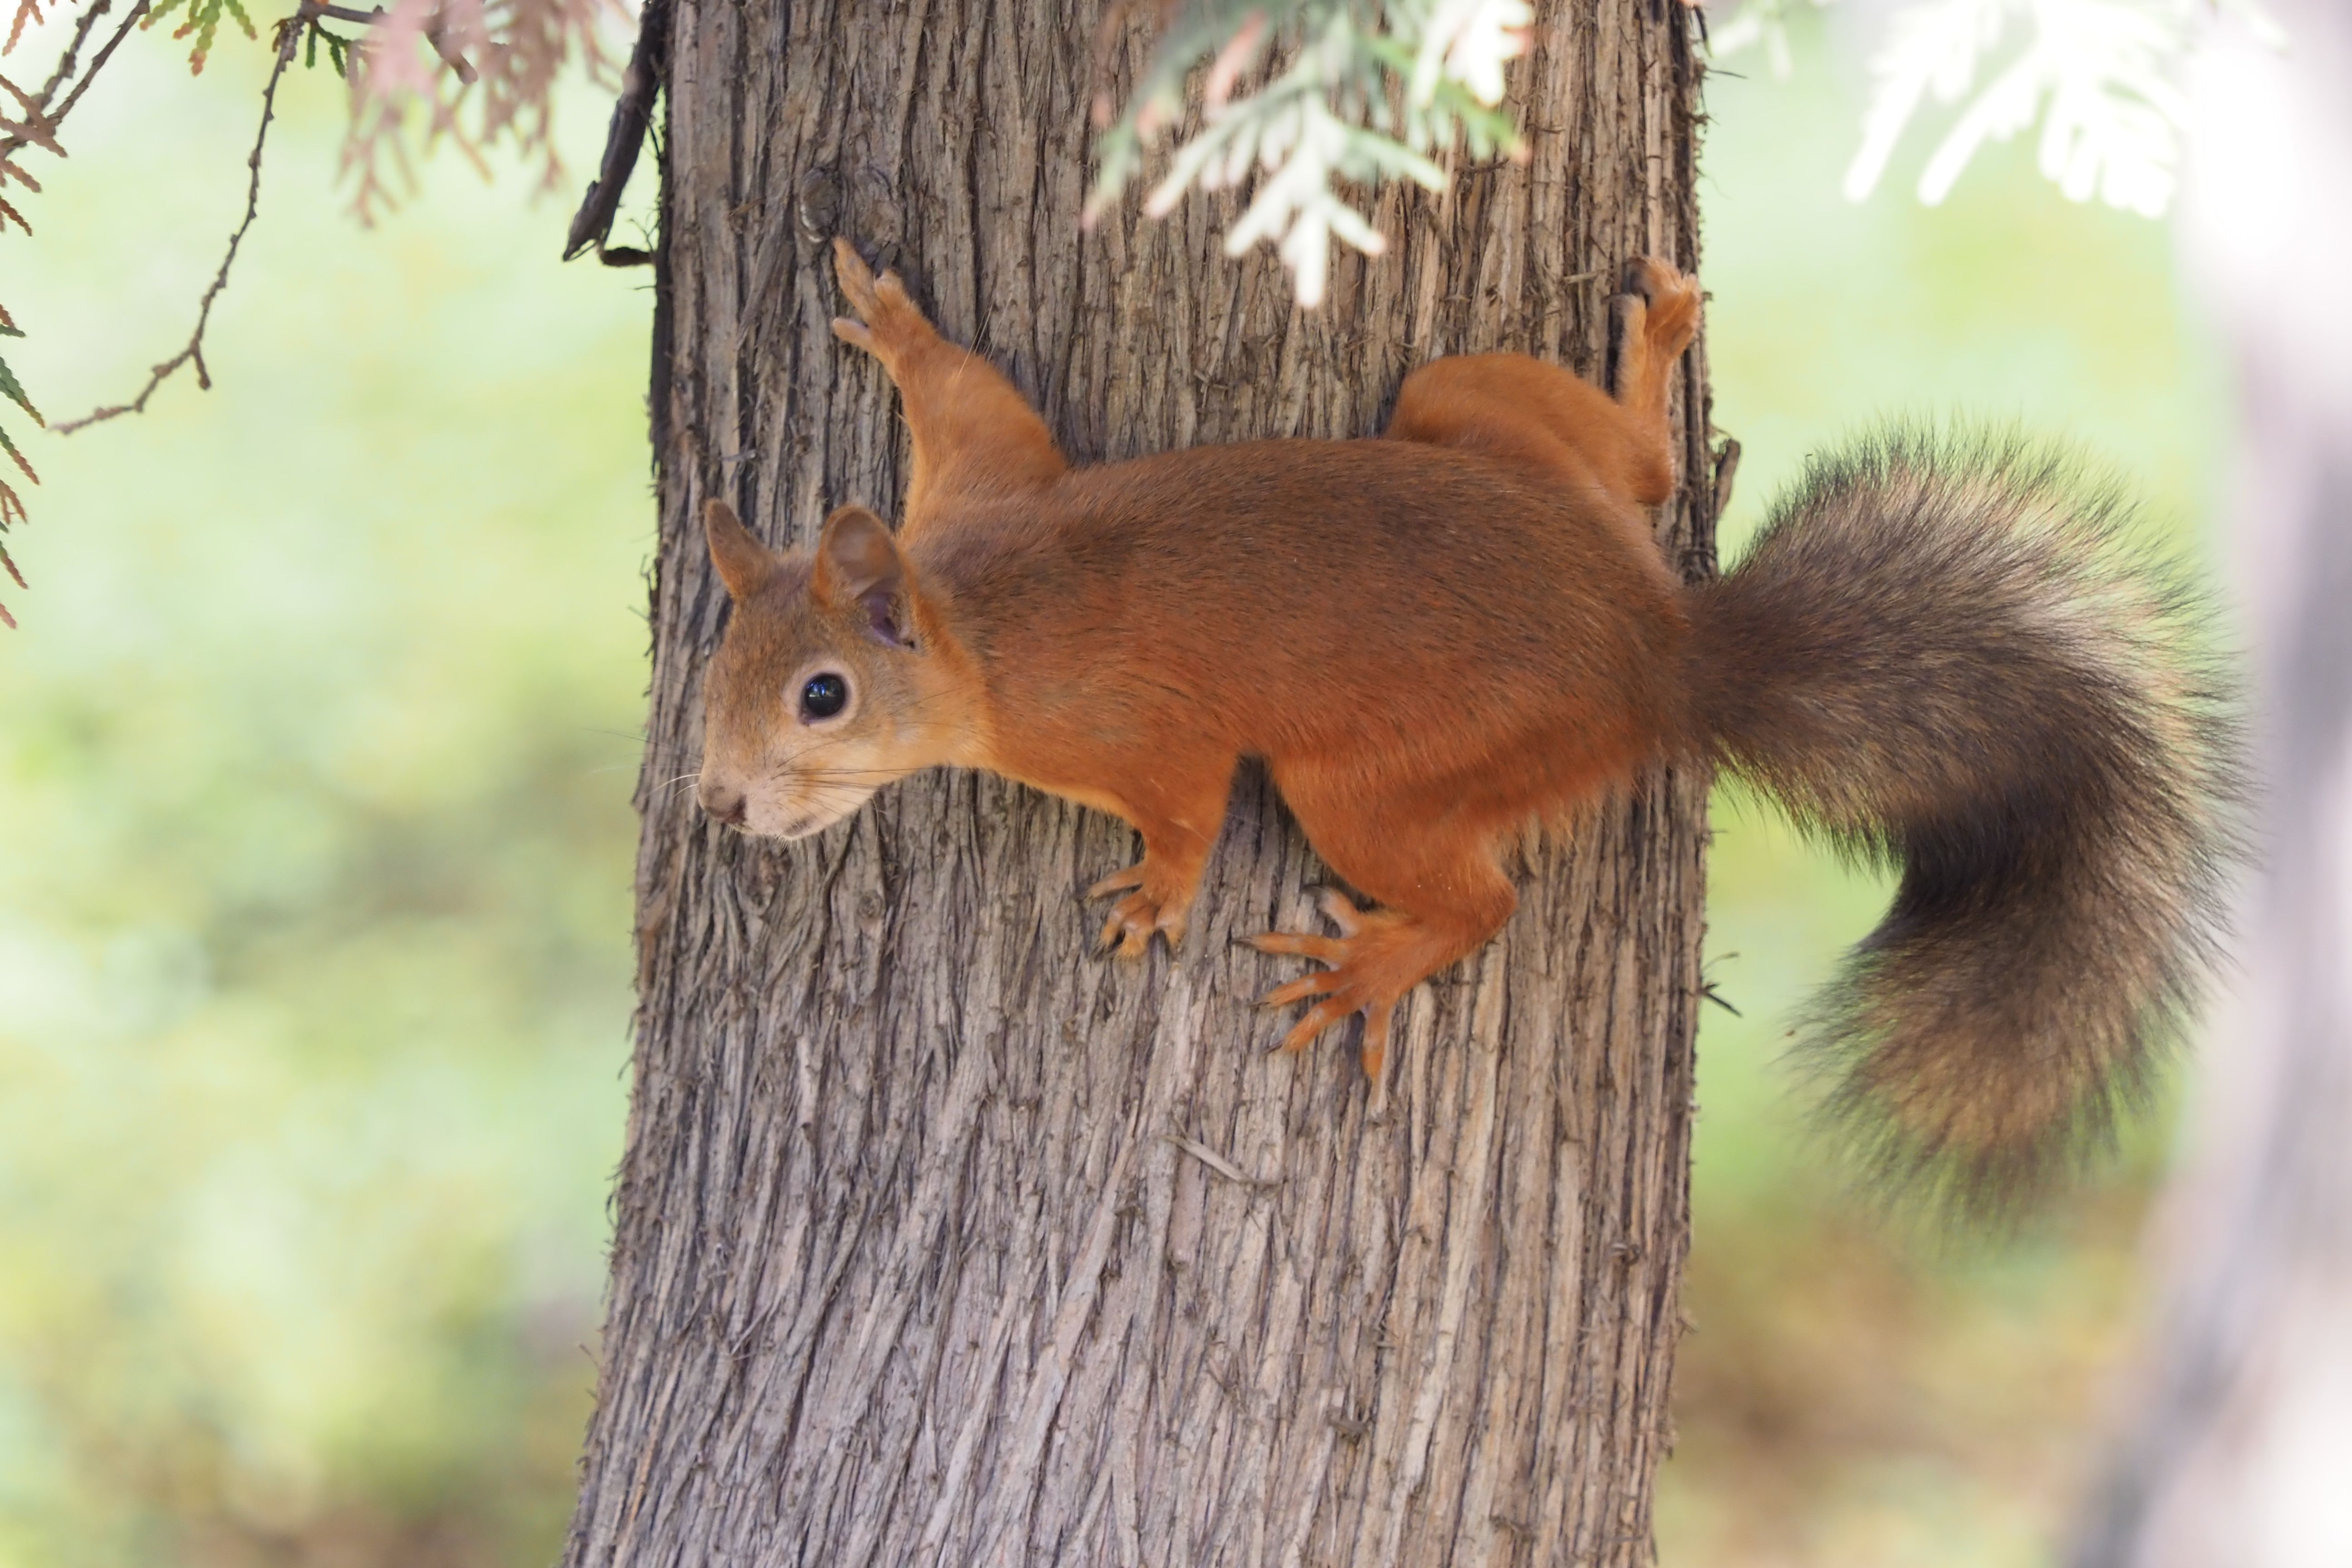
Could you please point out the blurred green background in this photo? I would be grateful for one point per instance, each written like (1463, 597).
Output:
(314, 777)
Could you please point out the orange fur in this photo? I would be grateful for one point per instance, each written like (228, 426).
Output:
(1431, 639)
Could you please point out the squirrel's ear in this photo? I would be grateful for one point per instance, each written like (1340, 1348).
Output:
(744, 564)
(858, 567)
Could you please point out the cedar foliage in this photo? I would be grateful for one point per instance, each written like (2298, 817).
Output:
(1383, 89)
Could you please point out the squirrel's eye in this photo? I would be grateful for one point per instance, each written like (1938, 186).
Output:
(823, 696)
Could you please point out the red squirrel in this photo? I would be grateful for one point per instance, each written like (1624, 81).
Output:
(1937, 655)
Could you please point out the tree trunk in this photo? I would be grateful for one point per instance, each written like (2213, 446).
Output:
(2237, 1453)
(940, 1240)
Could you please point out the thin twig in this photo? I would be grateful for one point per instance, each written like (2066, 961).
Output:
(593, 223)
(81, 32)
(194, 352)
(131, 20)
(1217, 1163)
(451, 55)
(1727, 464)
(47, 123)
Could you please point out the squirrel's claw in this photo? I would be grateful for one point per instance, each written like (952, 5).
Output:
(857, 279)
(1135, 917)
(1120, 931)
(1340, 910)
(1348, 986)
(1322, 1016)
(1661, 302)
(887, 322)
(1116, 882)
(1133, 921)
(1333, 949)
(1300, 989)
(1374, 1050)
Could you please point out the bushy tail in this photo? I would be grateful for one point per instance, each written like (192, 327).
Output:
(1945, 655)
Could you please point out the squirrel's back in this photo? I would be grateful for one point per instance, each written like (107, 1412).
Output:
(1282, 588)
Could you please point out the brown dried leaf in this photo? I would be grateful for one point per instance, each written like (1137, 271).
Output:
(10, 447)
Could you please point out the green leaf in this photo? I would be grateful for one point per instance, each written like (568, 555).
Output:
(14, 392)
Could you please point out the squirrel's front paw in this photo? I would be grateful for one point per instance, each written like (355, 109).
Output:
(888, 321)
(1135, 917)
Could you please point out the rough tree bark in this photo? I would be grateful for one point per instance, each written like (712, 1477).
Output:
(940, 1241)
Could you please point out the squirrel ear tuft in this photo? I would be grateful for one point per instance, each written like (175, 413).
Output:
(858, 567)
(744, 564)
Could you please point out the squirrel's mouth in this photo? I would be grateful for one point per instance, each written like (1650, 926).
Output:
(818, 817)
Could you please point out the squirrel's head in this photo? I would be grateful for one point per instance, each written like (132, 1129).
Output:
(827, 686)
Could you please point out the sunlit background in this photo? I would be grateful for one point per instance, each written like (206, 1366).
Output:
(316, 750)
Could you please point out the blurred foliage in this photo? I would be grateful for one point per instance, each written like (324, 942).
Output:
(2100, 75)
(502, 58)
(1853, 1395)
(12, 505)
(314, 920)
(1364, 92)
(202, 24)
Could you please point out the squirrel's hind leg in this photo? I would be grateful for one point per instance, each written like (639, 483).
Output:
(1522, 410)
(1443, 896)
(1654, 319)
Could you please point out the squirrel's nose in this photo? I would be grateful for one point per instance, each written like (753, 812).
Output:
(726, 804)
